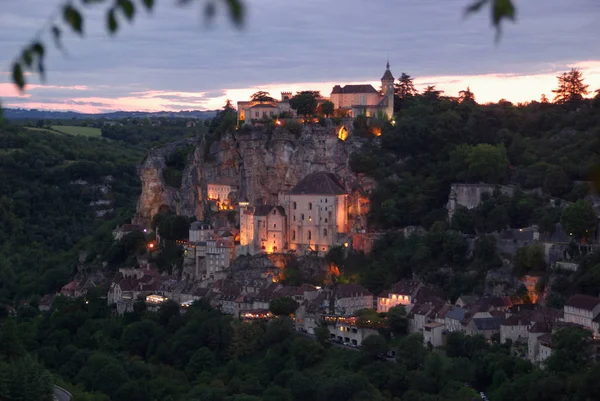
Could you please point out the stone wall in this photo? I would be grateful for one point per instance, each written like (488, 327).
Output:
(469, 195)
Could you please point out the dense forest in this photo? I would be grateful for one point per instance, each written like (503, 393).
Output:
(53, 190)
(202, 355)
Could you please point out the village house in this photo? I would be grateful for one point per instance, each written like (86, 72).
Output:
(350, 298)
(355, 100)
(317, 213)
(402, 293)
(200, 232)
(309, 314)
(433, 334)
(345, 330)
(515, 328)
(582, 310)
(45, 303)
(453, 321)
(249, 111)
(218, 257)
(484, 325)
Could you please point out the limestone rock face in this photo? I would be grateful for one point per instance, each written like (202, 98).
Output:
(274, 160)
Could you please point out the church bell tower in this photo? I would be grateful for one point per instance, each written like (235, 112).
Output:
(387, 85)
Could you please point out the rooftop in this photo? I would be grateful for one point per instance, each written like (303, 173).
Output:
(319, 184)
(584, 302)
(364, 88)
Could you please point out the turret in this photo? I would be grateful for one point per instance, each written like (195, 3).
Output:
(387, 85)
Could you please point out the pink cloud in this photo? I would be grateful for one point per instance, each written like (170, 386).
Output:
(487, 88)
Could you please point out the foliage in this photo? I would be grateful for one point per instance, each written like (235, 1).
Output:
(579, 220)
(305, 103)
(397, 320)
(529, 259)
(283, 306)
(571, 88)
(261, 96)
(327, 108)
(480, 163)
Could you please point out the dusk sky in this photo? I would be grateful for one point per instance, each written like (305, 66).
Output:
(171, 60)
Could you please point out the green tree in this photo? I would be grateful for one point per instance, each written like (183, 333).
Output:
(327, 108)
(466, 96)
(571, 88)
(529, 259)
(261, 96)
(397, 320)
(374, 346)
(322, 335)
(571, 350)
(305, 103)
(283, 306)
(579, 220)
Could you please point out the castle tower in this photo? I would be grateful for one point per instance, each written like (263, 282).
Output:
(286, 96)
(387, 84)
(246, 218)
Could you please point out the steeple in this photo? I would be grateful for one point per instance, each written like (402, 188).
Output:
(387, 75)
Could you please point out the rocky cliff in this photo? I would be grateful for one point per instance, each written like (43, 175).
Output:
(274, 160)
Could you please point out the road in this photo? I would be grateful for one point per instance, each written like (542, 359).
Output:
(60, 394)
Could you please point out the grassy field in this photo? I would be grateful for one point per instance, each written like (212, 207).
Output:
(74, 130)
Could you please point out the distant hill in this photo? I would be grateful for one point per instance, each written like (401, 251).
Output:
(35, 114)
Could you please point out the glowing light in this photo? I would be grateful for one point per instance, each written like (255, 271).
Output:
(345, 245)
(151, 245)
(376, 131)
(342, 133)
(278, 122)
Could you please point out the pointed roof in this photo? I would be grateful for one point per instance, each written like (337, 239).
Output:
(319, 184)
(387, 75)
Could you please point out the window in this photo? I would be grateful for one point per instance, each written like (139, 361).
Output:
(325, 219)
(274, 211)
(293, 235)
(325, 232)
(294, 205)
(274, 225)
(309, 235)
(302, 217)
(294, 217)
(256, 114)
(325, 200)
(309, 205)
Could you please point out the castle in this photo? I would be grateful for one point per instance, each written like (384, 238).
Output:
(312, 217)
(348, 100)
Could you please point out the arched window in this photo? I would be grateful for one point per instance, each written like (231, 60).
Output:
(309, 235)
(325, 232)
(302, 217)
(274, 225)
(293, 235)
(309, 205)
(294, 205)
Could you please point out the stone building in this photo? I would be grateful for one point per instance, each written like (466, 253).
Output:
(262, 229)
(354, 100)
(317, 213)
(200, 232)
(219, 254)
(258, 110)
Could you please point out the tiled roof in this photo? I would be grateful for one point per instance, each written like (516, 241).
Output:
(406, 287)
(487, 323)
(305, 288)
(319, 184)
(541, 327)
(352, 290)
(584, 302)
(456, 313)
(263, 106)
(517, 320)
(546, 339)
(364, 88)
